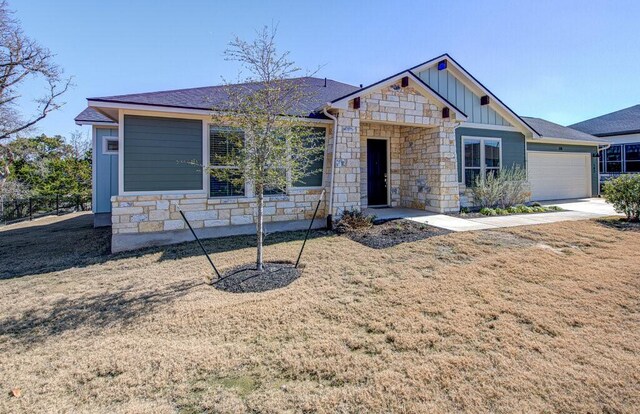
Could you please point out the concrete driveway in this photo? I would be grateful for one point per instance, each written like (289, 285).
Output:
(580, 209)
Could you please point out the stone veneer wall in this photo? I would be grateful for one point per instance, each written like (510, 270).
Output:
(154, 213)
(429, 177)
(423, 160)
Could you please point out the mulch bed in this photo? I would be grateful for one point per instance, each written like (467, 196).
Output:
(393, 232)
(620, 224)
(246, 279)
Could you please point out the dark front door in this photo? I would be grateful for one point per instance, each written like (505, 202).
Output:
(377, 172)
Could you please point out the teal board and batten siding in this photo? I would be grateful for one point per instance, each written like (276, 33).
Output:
(513, 146)
(458, 94)
(106, 171)
(593, 150)
(159, 154)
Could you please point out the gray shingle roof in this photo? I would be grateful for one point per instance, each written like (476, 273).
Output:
(551, 130)
(624, 121)
(91, 115)
(216, 96)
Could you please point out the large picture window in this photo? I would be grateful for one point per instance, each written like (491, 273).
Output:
(632, 158)
(222, 141)
(316, 168)
(482, 156)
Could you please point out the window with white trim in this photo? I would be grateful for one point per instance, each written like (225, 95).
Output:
(621, 158)
(110, 146)
(613, 159)
(632, 158)
(222, 142)
(481, 156)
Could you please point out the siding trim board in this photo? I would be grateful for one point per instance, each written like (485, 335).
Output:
(157, 151)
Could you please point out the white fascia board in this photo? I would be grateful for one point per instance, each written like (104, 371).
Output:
(150, 108)
(97, 123)
(343, 103)
(158, 110)
(565, 141)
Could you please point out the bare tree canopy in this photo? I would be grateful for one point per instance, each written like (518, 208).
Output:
(22, 58)
(259, 145)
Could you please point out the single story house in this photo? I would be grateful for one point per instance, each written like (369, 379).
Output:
(621, 129)
(415, 139)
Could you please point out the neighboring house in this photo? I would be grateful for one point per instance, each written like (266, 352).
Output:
(622, 130)
(415, 139)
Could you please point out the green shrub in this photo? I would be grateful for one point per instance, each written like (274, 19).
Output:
(486, 211)
(501, 211)
(623, 193)
(506, 188)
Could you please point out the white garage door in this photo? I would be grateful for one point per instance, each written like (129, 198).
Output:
(559, 175)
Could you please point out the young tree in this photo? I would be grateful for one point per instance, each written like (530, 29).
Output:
(270, 144)
(22, 59)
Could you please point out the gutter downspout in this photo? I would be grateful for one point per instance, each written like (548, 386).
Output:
(333, 161)
(604, 147)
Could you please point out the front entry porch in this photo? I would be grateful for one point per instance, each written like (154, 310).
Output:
(395, 147)
(406, 166)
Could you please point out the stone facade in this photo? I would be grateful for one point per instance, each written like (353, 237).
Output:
(156, 213)
(422, 153)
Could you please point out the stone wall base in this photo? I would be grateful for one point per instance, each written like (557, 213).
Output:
(130, 241)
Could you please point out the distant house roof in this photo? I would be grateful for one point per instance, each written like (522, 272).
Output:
(552, 130)
(90, 115)
(212, 97)
(624, 121)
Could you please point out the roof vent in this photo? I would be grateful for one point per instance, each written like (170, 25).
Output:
(484, 100)
(325, 82)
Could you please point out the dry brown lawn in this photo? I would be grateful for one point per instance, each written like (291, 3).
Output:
(531, 319)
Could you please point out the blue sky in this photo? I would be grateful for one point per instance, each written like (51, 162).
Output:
(564, 61)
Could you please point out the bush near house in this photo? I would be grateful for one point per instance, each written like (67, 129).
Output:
(352, 220)
(504, 189)
(518, 209)
(623, 193)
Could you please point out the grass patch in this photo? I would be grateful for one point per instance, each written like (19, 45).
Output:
(544, 318)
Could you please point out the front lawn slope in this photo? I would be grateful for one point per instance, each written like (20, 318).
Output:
(530, 319)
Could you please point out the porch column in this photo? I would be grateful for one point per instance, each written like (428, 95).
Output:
(347, 153)
(442, 170)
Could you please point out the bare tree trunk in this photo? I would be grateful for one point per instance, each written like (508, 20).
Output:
(260, 226)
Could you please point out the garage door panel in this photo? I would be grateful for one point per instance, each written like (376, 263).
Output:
(557, 175)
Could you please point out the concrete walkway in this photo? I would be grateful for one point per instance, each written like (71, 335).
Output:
(581, 209)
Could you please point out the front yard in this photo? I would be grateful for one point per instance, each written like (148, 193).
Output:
(529, 319)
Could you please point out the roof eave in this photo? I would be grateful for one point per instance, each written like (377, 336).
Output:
(568, 141)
